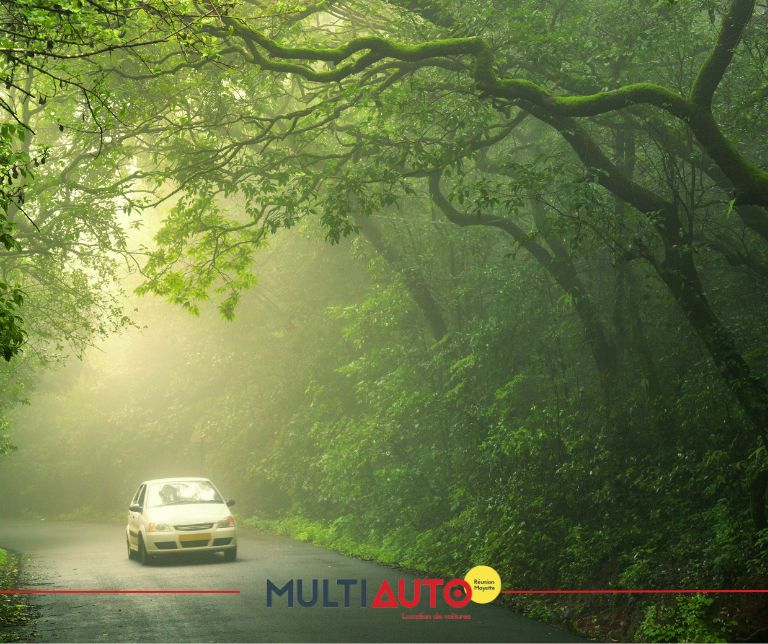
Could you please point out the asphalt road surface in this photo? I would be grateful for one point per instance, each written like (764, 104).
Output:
(91, 556)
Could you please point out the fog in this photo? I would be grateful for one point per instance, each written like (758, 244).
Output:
(498, 274)
(178, 394)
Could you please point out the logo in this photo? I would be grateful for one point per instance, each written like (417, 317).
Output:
(485, 584)
(481, 585)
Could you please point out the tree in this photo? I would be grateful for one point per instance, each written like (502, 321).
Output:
(358, 82)
(562, 333)
(47, 51)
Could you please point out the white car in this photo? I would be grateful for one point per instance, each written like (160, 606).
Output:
(185, 514)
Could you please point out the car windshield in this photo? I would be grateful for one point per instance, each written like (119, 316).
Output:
(181, 492)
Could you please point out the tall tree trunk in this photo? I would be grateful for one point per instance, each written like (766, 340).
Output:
(413, 279)
(679, 273)
(558, 263)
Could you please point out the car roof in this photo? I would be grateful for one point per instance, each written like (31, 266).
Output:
(176, 478)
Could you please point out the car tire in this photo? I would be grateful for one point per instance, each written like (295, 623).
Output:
(131, 555)
(144, 558)
(230, 555)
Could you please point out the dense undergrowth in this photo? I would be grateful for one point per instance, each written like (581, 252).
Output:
(16, 614)
(545, 348)
(676, 618)
(438, 458)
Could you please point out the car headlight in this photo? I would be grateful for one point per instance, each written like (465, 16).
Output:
(159, 527)
(229, 522)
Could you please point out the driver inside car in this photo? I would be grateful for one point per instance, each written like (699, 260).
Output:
(168, 494)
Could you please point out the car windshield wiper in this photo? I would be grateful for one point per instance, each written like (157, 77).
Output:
(180, 502)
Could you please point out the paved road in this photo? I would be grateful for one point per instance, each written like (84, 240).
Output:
(92, 556)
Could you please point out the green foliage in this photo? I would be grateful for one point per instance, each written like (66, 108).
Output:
(561, 373)
(6, 446)
(15, 613)
(12, 333)
(13, 170)
(687, 619)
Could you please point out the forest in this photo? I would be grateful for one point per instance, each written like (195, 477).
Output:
(429, 282)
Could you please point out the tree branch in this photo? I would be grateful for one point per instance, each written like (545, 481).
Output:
(711, 72)
(750, 181)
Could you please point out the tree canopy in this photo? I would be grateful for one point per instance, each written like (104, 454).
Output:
(557, 213)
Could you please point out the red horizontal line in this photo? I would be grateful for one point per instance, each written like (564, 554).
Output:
(504, 592)
(119, 592)
(612, 591)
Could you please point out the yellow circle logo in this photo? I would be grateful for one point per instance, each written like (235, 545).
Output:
(485, 584)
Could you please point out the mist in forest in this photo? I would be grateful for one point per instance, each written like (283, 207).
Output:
(425, 282)
(177, 394)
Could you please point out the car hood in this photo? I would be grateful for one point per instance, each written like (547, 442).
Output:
(189, 513)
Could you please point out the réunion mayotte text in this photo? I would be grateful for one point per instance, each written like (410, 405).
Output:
(456, 593)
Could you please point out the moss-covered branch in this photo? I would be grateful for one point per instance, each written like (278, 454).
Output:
(711, 72)
(382, 47)
(750, 182)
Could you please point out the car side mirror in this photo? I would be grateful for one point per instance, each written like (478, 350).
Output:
(231, 502)
(135, 508)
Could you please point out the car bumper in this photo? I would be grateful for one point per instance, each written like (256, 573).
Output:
(218, 539)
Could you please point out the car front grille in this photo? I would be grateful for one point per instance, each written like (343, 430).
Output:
(222, 541)
(194, 544)
(194, 526)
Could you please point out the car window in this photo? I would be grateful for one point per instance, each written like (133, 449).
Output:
(181, 493)
(142, 492)
(135, 498)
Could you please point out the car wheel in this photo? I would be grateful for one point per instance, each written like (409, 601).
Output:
(131, 556)
(230, 555)
(144, 558)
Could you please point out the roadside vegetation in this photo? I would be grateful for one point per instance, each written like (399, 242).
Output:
(469, 283)
(16, 615)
